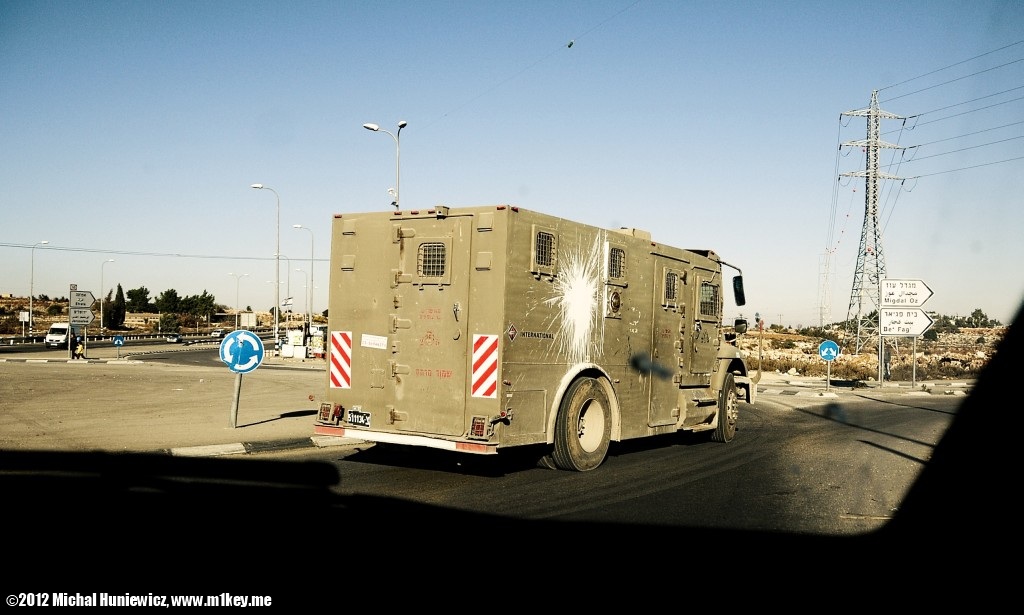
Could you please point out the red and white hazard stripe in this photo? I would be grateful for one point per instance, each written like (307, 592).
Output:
(485, 366)
(341, 359)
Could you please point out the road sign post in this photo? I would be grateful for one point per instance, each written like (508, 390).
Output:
(903, 322)
(829, 351)
(904, 293)
(242, 352)
(80, 311)
(900, 314)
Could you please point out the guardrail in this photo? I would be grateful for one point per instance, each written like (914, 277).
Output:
(18, 340)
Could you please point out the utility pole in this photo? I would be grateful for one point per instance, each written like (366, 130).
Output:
(867, 278)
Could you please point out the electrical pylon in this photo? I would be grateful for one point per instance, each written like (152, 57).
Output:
(867, 279)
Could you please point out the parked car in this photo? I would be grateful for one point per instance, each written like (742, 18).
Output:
(175, 338)
(218, 333)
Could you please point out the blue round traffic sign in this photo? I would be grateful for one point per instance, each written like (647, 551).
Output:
(828, 350)
(241, 351)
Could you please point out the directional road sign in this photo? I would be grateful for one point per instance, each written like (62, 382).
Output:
(81, 316)
(828, 350)
(118, 340)
(904, 322)
(241, 351)
(904, 293)
(82, 299)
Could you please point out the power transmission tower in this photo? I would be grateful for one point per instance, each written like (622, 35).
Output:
(867, 279)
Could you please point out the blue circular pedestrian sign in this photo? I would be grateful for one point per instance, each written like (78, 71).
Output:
(828, 350)
(241, 351)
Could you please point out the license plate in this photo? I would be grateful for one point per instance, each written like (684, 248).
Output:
(362, 419)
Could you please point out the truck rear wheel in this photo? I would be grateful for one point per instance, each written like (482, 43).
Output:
(583, 427)
(728, 411)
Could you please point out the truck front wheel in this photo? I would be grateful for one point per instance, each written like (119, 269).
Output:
(728, 411)
(583, 427)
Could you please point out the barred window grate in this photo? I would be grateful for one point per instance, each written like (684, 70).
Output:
(430, 261)
(545, 249)
(616, 263)
(710, 303)
(670, 287)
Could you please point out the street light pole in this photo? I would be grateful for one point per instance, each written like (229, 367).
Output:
(32, 284)
(238, 278)
(288, 287)
(310, 303)
(398, 154)
(103, 294)
(307, 289)
(277, 261)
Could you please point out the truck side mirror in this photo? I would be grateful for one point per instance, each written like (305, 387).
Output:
(737, 290)
(740, 326)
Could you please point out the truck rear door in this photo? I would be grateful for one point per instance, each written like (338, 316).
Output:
(399, 349)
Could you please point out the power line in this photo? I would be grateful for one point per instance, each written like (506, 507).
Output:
(962, 149)
(155, 254)
(931, 87)
(939, 70)
(987, 164)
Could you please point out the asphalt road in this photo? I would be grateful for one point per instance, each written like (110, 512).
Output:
(48, 402)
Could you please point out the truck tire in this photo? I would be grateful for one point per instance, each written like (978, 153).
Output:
(583, 427)
(728, 411)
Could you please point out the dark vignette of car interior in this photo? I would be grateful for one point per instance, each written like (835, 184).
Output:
(102, 501)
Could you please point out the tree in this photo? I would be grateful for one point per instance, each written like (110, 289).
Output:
(117, 310)
(168, 302)
(107, 309)
(138, 300)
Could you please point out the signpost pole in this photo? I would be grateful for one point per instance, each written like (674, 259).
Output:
(234, 402)
(913, 365)
(829, 351)
(242, 351)
(71, 325)
(907, 296)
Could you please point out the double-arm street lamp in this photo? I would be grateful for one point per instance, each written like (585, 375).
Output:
(32, 284)
(103, 294)
(309, 301)
(398, 154)
(277, 260)
(238, 278)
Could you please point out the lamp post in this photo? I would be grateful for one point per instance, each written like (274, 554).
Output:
(307, 289)
(32, 284)
(238, 278)
(277, 260)
(102, 294)
(288, 286)
(310, 290)
(398, 154)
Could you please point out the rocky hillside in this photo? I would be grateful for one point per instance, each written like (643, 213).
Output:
(952, 356)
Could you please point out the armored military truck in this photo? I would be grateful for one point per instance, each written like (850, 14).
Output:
(482, 329)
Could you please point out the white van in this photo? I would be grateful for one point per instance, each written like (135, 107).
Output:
(57, 336)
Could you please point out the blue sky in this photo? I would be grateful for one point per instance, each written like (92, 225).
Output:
(133, 130)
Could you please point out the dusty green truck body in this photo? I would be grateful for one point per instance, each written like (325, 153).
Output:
(484, 328)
